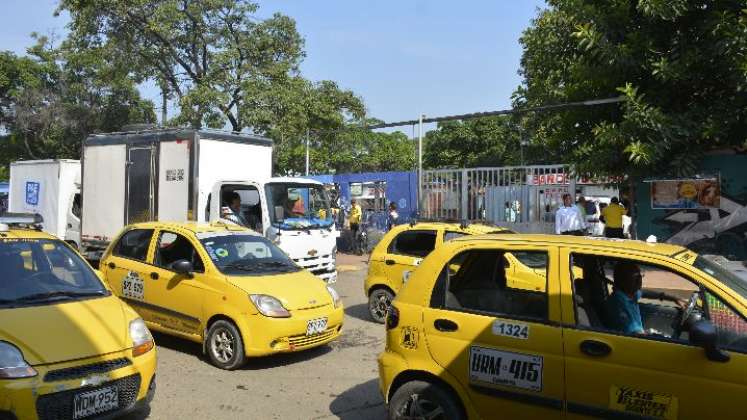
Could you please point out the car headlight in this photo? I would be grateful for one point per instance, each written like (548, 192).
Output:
(142, 341)
(335, 296)
(269, 306)
(12, 364)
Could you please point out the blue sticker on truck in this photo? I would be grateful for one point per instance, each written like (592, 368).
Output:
(32, 193)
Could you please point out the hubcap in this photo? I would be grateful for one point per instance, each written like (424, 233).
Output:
(223, 345)
(419, 408)
(380, 305)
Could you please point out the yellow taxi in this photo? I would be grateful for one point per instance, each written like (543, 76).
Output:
(223, 286)
(401, 250)
(68, 347)
(623, 329)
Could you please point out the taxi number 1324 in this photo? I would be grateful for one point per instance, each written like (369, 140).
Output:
(508, 329)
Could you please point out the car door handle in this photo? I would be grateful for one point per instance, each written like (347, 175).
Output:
(595, 348)
(112, 265)
(445, 325)
(154, 276)
(389, 262)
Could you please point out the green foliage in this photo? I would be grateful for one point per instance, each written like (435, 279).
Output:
(680, 64)
(489, 141)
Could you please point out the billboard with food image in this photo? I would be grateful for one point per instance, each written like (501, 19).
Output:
(701, 193)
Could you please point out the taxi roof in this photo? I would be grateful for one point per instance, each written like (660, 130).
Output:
(664, 249)
(194, 227)
(475, 229)
(24, 233)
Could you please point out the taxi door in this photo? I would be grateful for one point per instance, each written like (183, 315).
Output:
(406, 252)
(613, 375)
(176, 300)
(503, 345)
(124, 268)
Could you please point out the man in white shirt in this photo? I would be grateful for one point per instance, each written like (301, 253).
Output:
(568, 219)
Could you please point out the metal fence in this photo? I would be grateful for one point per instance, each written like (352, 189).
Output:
(521, 197)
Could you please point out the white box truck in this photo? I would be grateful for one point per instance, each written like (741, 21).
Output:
(194, 175)
(50, 188)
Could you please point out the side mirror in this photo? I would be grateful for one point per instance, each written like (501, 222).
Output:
(704, 334)
(279, 213)
(182, 267)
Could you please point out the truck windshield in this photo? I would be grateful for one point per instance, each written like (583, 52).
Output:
(722, 274)
(298, 206)
(44, 271)
(245, 255)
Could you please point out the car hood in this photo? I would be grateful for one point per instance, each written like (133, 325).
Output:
(296, 291)
(67, 330)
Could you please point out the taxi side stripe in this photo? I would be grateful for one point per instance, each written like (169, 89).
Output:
(160, 309)
(600, 412)
(520, 397)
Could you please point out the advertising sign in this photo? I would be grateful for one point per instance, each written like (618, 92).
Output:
(704, 193)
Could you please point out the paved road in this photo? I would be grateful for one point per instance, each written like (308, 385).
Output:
(339, 380)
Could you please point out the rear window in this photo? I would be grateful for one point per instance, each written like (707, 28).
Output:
(415, 243)
(134, 244)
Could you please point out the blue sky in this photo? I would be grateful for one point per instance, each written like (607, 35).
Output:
(402, 57)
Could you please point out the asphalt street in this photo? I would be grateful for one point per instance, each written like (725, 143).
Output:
(339, 380)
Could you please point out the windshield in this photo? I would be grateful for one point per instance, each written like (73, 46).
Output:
(298, 206)
(722, 274)
(246, 255)
(44, 271)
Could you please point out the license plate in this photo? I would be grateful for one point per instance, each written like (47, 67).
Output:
(94, 402)
(316, 326)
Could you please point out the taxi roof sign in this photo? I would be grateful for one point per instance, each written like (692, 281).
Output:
(32, 220)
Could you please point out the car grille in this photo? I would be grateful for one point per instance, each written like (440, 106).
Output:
(83, 371)
(59, 405)
(304, 340)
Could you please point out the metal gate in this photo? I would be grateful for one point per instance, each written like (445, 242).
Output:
(521, 197)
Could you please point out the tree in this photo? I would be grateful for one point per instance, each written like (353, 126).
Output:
(680, 64)
(51, 100)
(487, 141)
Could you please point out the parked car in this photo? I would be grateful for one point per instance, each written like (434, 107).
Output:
(401, 250)
(465, 344)
(223, 286)
(69, 348)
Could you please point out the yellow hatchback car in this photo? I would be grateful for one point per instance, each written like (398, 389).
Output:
(222, 286)
(401, 250)
(68, 347)
(623, 329)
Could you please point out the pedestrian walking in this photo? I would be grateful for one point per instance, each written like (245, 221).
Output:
(613, 219)
(568, 218)
(392, 218)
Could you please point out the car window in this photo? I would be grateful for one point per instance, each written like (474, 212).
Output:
(448, 235)
(134, 244)
(476, 280)
(173, 247)
(731, 327)
(415, 243)
(610, 296)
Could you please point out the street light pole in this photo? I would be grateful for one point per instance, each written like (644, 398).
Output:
(307, 152)
(420, 162)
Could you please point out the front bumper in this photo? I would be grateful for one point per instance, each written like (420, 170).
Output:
(323, 266)
(46, 396)
(264, 335)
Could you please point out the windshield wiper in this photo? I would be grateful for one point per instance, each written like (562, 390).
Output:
(60, 293)
(239, 266)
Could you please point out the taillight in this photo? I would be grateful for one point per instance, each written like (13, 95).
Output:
(392, 317)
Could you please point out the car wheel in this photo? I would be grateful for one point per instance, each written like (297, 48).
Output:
(424, 400)
(378, 303)
(224, 345)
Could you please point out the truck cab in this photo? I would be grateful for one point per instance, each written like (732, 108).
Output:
(294, 213)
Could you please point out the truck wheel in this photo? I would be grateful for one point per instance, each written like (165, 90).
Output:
(378, 303)
(424, 400)
(224, 346)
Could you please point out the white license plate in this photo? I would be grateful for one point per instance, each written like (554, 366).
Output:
(94, 402)
(316, 326)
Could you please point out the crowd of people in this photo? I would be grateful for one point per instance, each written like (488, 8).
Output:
(572, 218)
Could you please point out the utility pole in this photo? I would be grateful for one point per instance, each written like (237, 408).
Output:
(307, 152)
(164, 102)
(420, 162)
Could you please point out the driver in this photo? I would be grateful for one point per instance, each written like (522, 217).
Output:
(232, 209)
(621, 310)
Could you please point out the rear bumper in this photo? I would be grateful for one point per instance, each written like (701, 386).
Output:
(30, 398)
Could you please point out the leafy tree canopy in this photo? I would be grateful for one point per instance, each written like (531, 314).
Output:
(681, 65)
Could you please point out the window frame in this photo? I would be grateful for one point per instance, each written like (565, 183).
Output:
(442, 283)
(115, 248)
(392, 248)
(156, 248)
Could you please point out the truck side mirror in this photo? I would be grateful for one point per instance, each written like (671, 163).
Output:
(182, 267)
(279, 213)
(704, 334)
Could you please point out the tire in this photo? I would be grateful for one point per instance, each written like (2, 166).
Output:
(224, 345)
(378, 303)
(418, 399)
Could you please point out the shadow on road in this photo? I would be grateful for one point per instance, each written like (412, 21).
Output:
(362, 401)
(179, 344)
(359, 311)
